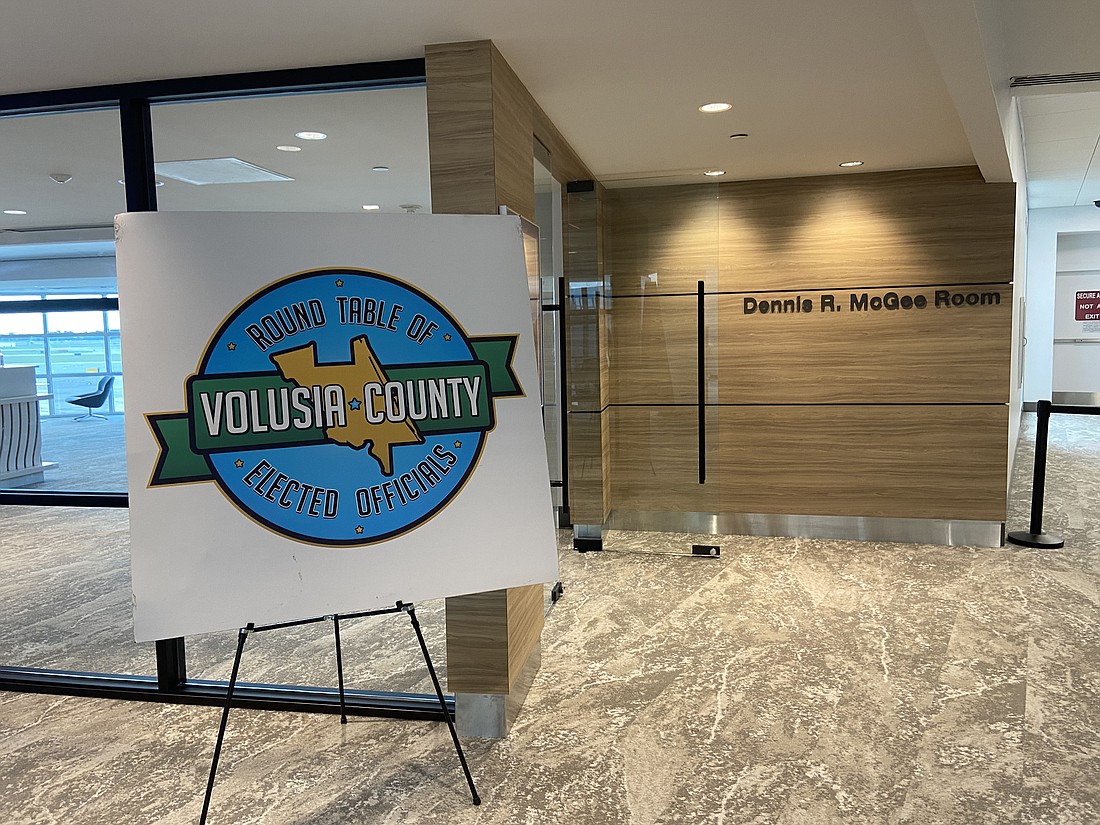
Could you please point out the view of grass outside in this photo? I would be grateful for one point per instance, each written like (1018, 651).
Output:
(71, 352)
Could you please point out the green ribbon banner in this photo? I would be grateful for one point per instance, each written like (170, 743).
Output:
(254, 411)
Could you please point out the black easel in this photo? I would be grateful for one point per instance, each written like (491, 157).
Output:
(242, 636)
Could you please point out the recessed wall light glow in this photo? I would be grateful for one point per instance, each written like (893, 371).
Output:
(288, 148)
(852, 163)
(370, 207)
(380, 168)
(710, 108)
(739, 136)
(714, 173)
(15, 211)
(310, 135)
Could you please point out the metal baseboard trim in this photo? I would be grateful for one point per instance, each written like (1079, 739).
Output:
(950, 532)
(1076, 399)
(257, 696)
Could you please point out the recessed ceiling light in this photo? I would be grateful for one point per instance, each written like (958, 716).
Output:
(852, 163)
(310, 135)
(371, 206)
(739, 136)
(714, 173)
(15, 211)
(288, 148)
(122, 182)
(709, 108)
(380, 168)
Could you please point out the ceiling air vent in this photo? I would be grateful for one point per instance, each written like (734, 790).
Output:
(1054, 79)
(216, 170)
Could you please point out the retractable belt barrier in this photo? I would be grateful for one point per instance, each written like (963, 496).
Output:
(1034, 536)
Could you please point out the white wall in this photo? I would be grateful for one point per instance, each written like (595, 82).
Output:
(1014, 143)
(1076, 343)
(1044, 227)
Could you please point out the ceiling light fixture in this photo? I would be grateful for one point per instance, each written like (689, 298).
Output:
(739, 136)
(122, 182)
(15, 211)
(711, 108)
(370, 207)
(714, 173)
(852, 163)
(380, 168)
(60, 177)
(310, 135)
(286, 147)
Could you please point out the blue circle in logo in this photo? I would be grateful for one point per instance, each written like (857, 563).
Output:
(340, 407)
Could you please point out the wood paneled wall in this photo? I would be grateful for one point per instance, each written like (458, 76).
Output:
(936, 226)
(461, 141)
(902, 461)
(939, 353)
(874, 384)
(586, 358)
(482, 124)
(490, 637)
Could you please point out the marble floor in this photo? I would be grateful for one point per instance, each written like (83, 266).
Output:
(789, 681)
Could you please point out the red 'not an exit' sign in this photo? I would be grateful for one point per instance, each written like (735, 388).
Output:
(1088, 306)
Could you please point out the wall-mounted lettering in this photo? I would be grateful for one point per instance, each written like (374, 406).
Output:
(1087, 306)
(778, 305)
(892, 301)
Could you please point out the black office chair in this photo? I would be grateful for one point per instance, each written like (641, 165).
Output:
(93, 400)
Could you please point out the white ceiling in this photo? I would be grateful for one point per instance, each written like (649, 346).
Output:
(1062, 147)
(813, 83)
(386, 127)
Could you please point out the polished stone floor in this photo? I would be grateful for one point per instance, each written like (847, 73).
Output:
(789, 681)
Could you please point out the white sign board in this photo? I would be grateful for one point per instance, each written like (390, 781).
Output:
(327, 414)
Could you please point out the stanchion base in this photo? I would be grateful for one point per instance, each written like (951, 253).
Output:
(1044, 540)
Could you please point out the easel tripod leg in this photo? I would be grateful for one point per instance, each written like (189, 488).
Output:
(339, 668)
(442, 701)
(242, 636)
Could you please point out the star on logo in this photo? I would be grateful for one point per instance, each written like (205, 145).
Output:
(359, 529)
(447, 337)
(355, 403)
(230, 346)
(458, 444)
(339, 282)
(238, 464)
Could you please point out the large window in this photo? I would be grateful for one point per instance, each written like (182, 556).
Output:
(220, 144)
(71, 352)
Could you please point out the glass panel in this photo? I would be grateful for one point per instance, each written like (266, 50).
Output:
(375, 153)
(72, 354)
(548, 216)
(64, 577)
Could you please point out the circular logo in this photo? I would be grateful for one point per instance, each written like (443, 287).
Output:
(338, 407)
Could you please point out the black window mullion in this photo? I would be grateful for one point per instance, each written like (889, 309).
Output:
(141, 196)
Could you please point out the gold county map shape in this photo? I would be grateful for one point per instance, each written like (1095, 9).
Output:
(300, 366)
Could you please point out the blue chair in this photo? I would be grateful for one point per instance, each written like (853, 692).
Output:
(93, 400)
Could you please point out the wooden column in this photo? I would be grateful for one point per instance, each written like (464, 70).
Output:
(481, 132)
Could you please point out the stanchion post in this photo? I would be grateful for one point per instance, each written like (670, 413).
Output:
(1035, 537)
